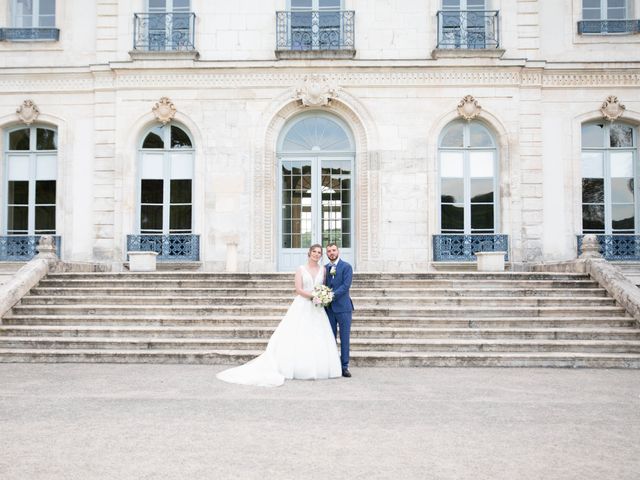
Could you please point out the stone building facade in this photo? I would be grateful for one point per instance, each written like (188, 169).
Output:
(259, 126)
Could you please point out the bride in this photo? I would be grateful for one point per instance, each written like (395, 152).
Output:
(302, 346)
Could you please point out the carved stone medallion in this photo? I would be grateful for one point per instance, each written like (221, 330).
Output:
(164, 110)
(468, 108)
(28, 112)
(611, 108)
(316, 91)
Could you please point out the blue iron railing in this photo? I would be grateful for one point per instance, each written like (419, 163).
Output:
(38, 33)
(461, 248)
(608, 26)
(616, 247)
(18, 248)
(315, 30)
(468, 29)
(176, 247)
(164, 31)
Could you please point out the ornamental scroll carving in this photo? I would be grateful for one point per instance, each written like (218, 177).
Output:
(316, 91)
(28, 112)
(469, 108)
(164, 110)
(611, 108)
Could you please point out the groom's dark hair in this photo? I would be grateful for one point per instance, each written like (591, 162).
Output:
(332, 244)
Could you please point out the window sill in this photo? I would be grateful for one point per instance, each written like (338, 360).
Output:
(467, 53)
(312, 54)
(164, 54)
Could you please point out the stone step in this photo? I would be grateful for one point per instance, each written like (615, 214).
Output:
(285, 301)
(393, 345)
(357, 276)
(355, 292)
(356, 332)
(288, 284)
(358, 359)
(359, 320)
(203, 311)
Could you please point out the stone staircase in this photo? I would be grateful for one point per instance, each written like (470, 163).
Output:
(631, 270)
(7, 269)
(430, 319)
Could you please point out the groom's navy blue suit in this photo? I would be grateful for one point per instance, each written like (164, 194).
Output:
(339, 310)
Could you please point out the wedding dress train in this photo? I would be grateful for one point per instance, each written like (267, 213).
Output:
(302, 346)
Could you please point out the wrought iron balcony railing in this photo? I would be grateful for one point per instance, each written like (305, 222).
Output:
(163, 32)
(315, 30)
(28, 34)
(461, 248)
(616, 247)
(468, 29)
(18, 248)
(173, 247)
(600, 27)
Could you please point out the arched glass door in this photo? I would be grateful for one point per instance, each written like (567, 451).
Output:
(315, 155)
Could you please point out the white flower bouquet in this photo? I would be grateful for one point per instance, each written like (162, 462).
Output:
(321, 296)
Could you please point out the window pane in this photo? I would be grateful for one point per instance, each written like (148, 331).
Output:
(621, 135)
(315, 134)
(622, 217)
(46, 192)
(157, 5)
(181, 5)
(452, 217)
(453, 136)
(481, 164)
(592, 190)
(17, 219)
(179, 138)
(621, 164)
(592, 166)
(616, 13)
(482, 217)
(480, 137)
(622, 190)
(591, 3)
(154, 139)
(452, 190)
(180, 191)
(301, 4)
(45, 139)
(180, 217)
(482, 190)
(151, 217)
(19, 139)
(593, 217)
(152, 165)
(593, 135)
(182, 165)
(46, 166)
(591, 13)
(47, 7)
(45, 219)
(18, 193)
(451, 164)
(151, 191)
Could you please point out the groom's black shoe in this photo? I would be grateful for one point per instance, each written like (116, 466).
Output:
(346, 373)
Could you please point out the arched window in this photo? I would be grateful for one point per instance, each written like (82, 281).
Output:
(166, 181)
(609, 155)
(31, 172)
(467, 157)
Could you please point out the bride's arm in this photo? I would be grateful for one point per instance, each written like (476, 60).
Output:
(298, 281)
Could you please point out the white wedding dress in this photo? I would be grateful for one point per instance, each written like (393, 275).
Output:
(302, 346)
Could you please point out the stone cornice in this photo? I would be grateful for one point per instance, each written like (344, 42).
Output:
(275, 78)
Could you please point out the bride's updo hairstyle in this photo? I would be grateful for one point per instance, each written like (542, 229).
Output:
(315, 245)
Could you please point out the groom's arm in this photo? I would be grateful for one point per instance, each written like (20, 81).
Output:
(346, 282)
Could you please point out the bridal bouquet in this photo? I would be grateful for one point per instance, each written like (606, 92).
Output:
(321, 296)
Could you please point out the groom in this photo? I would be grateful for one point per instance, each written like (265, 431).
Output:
(338, 278)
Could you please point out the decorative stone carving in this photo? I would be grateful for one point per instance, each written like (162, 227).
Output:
(28, 112)
(164, 110)
(590, 247)
(47, 248)
(468, 108)
(316, 91)
(611, 108)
